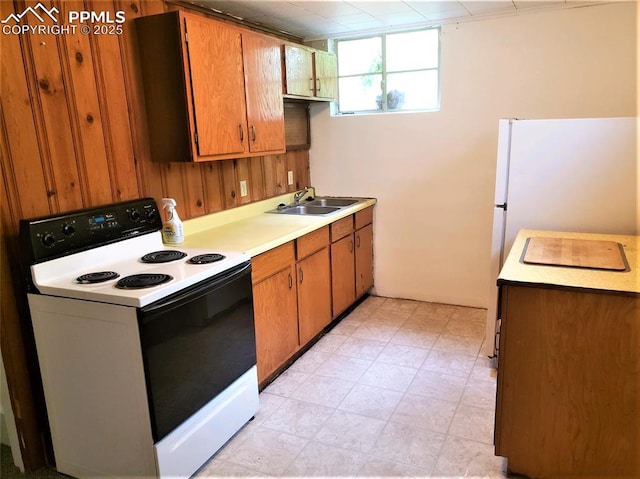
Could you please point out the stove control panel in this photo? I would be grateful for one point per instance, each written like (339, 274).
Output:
(54, 236)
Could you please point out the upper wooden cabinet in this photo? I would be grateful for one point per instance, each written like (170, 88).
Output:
(219, 106)
(263, 85)
(326, 74)
(309, 73)
(213, 91)
(298, 71)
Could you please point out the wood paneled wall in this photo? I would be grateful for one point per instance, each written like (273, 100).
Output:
(73, 135)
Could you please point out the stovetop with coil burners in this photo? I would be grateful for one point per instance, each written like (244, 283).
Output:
(110, 255)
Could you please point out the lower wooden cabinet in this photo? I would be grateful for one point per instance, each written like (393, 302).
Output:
(568, 399)
(343, 274)
(301, 286)
(314, 294)
(351, 259)
(364, 259)
(276, 320)
(275, 307)
(291, 298)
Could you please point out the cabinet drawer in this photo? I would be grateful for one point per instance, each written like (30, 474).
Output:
(269, 263)
(312, 242)
(341, 228)
(364, 217)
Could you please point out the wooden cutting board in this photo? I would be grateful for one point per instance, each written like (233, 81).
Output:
(575, 253)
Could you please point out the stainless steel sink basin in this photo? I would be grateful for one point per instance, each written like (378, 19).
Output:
(306, 210)
(339, 202)
(317, 206)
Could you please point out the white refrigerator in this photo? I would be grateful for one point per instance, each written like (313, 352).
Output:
(564, 175)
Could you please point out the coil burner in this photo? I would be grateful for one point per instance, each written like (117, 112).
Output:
(164, 256)
(97, 277)
(143, 280)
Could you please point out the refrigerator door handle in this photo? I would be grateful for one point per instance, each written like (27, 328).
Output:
(503, 206)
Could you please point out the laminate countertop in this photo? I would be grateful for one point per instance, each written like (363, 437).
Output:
(515, 271)
(252, 230)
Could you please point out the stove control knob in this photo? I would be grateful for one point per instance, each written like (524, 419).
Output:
(135, 215)
(151, 214)
(48, 240)
(68, 229)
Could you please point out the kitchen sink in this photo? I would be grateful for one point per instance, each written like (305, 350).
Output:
(339, 202)
(305, 210)
(316, 206)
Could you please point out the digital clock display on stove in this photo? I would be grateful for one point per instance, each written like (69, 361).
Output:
(98, 221)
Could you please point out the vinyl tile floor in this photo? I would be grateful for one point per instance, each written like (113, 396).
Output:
(396, 389)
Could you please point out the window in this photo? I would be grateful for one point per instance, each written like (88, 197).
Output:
(392, 72)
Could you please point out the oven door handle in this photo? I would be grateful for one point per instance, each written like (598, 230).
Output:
(198, 290)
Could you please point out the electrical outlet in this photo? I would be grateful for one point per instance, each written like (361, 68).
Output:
(289, 177)
(243, 188)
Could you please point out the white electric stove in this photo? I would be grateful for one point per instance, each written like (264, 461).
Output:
(147, 351)
(111, 273)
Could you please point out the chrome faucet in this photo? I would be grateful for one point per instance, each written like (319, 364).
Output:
(298, 195)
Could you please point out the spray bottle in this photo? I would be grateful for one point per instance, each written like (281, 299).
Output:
(172, 232)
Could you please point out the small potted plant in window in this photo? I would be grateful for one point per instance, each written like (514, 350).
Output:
(395, 100)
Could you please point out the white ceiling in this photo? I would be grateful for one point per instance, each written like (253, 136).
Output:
(316, 19)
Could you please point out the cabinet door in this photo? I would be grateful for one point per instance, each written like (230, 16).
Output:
(276, 320)
(326, 69)
(364, 260)
(263, 81)
(214, 55)
(562, 371)
(298, 64)
(314, 294)
(343, 274)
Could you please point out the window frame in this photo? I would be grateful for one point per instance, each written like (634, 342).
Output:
(384, 72)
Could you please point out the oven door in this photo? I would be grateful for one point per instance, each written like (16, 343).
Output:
(195, 343)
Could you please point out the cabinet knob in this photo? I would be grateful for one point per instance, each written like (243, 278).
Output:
(253, 133)
(351, 246)
(358, 241)
(310, 84)
(318, 84)
(301, 275)
(290, 281)
(241, 128)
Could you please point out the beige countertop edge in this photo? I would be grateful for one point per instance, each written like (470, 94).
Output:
(516, 272)
(253, 231)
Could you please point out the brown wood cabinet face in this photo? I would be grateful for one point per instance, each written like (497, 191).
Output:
(298, 66)
(214, 53)
(213, 91)
(272, 261)
(363, 217)
(568, 399)
(263, 83)
(341, 228)
(312, 242)
(276, 321)
(364, 259)
(342, 274)
(326, 75)
(310, 73)
(296, 126)
(314, 294)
